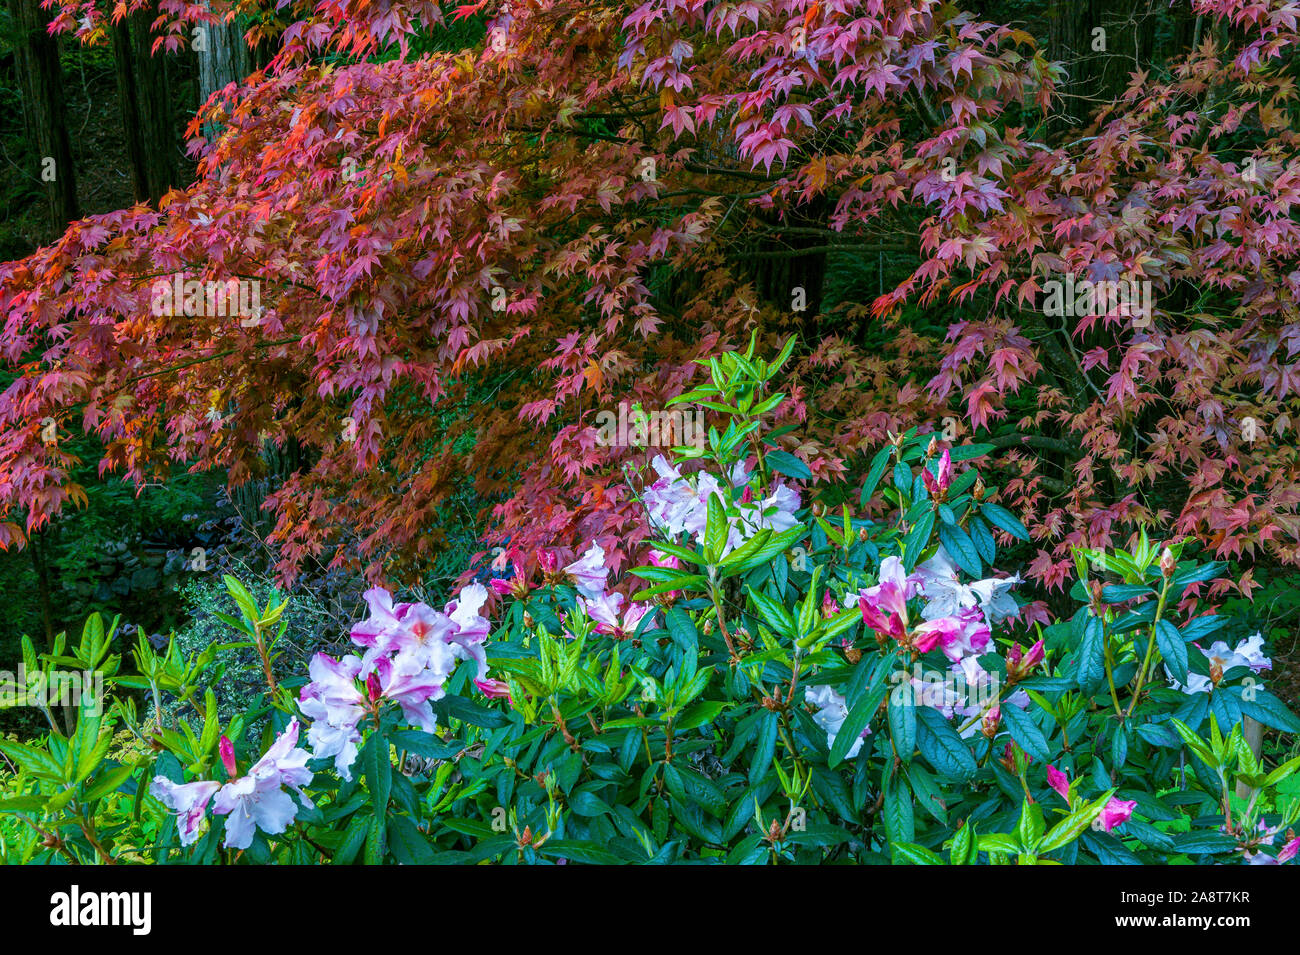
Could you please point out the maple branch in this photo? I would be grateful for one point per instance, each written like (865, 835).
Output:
(736, 173)
(215, 355)
(1036, 441)
(818, 249)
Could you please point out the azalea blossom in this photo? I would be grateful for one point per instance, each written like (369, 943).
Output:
(1059, 781)
(680, 505)
(831, 713)
(947, 596)
(1115, 812)
(335, 705)
(1020, 665)
(411, 650)
(258, 800)
(611, 618)
(189, 801)
(1249, 654)
(884, 605)
(589, 572)
(960, 636)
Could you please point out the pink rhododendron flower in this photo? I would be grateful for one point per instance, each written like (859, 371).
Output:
(831, 713)
(989, 721)
(411, 691)
(470, 629)
(680, 505)
(1116, 812)
(1290, 850)
(947, 596)
(589, 572)
(335, 705)
(258, 801)
(1059, 781)
(189, 801)
(382, 618)
(611, 618)
(884, 606)
(516, 586)
(494, 689)
(961, 636)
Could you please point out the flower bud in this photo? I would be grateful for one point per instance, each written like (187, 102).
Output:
(227, 751)
(1167, 563)
(829, 607)
(989, 723)
(977, 491)
(373, 690)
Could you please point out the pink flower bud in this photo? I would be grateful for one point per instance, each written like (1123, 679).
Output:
(829, 607)
(372, 687)
(227, 751)
(1059, 781)
(1117, 811)
(945, 470)
(1289, 850)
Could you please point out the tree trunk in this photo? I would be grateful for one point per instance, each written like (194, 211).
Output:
(224, 58)
(1100, 42)
(39, 72)
(146, 106)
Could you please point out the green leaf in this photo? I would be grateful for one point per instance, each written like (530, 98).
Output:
(764, 748)
(941, 746)
(918, 536)
(1073, 825)
(965, 848)
(1029, 830)
(914, 854)
(1172, 648)
(783, 462)
(878, 465)
(575, 850)
(1025, 731)
(860, 714)
(715, 529)
(902, 727)
(959, 544)
(408, 844)
(900, 816)
(1000, 517)
(1264, 707)
(378, 772)
(968, 452)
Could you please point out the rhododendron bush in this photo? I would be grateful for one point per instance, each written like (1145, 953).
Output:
(566, 215)
(780, 682)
